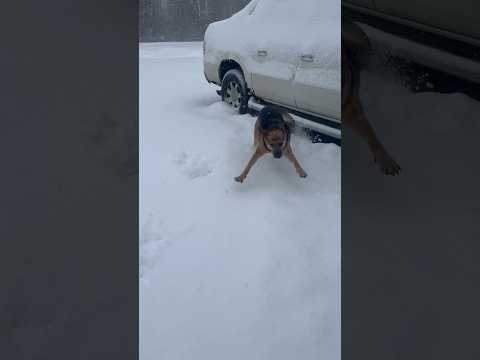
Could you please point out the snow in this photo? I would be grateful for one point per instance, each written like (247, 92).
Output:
(228, 270)
(182, 50)
(286, 26)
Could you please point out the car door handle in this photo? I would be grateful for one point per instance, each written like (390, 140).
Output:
(262, 53)
(307, 57)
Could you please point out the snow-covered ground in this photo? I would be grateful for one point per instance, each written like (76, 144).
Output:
(228, 270)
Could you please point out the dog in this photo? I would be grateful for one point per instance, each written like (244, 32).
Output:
(273, 129)
(354, 40)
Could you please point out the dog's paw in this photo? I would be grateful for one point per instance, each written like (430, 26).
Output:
(301, 173)
(386, 163)
(240, 179)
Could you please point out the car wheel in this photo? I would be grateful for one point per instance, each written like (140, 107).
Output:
(234, 90)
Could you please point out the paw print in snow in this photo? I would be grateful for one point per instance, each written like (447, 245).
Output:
(194, 166)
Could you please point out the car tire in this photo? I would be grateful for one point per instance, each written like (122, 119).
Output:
(234, 90)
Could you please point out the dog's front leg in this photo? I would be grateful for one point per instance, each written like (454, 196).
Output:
(290, 156)
(354, 116)
(257, 155)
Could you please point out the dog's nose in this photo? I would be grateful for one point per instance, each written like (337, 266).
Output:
(277, 154)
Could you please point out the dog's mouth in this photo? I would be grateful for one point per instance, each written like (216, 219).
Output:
(277, 154)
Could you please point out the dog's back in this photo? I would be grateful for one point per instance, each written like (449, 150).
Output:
(270, 118)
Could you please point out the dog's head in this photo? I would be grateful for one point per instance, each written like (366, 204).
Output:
(275, 141)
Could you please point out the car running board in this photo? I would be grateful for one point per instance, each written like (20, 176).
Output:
(426, 55)
(306, 123)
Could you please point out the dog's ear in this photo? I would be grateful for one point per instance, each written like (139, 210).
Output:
(263, 131)
(290, 127)
(288, 131)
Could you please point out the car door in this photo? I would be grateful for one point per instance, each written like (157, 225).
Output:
(461, 16)
(273, 58)
(317, 82)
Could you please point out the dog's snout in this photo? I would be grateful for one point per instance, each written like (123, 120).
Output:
(277, 154)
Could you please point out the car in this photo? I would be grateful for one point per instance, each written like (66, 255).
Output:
(444, 35)
(285, 53)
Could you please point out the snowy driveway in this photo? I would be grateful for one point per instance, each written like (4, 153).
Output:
(230, 271)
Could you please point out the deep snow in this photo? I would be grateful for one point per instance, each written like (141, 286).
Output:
(228, 270)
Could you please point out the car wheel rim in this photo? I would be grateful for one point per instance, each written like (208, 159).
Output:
(233, 94)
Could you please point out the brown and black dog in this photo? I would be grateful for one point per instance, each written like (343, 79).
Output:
(354, 40)
(272, 135)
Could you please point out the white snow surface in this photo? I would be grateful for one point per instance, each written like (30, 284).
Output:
(228, 270)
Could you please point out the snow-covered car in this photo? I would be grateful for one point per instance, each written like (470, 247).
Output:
(281, 52)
